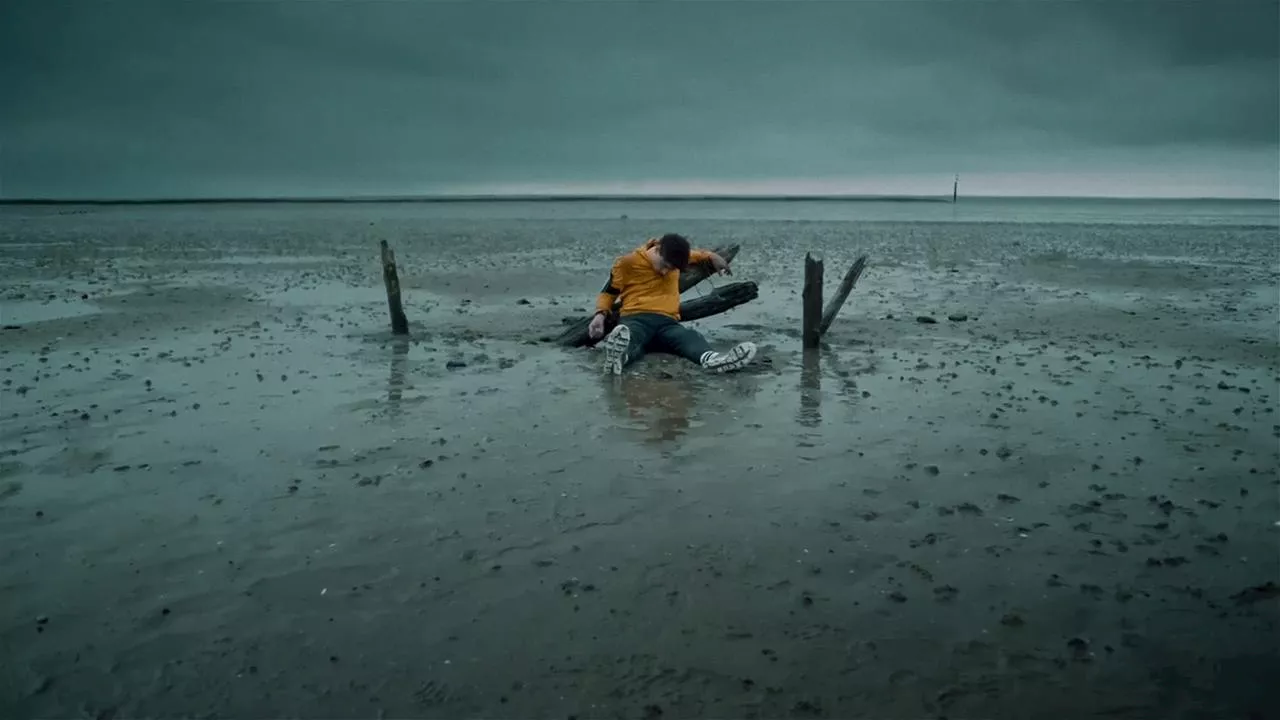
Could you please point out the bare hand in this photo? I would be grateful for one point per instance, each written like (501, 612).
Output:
(596, 328)
(720, 265)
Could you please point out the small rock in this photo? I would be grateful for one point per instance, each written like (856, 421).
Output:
(1079, 647)
(957, 317)
(926, 320)
(805, 707)
(1257, 593)
(455, 364)
(1012, 620)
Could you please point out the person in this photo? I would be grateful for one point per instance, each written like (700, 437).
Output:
(647, 281)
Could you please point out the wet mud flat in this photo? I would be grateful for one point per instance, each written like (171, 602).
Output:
(227, 491)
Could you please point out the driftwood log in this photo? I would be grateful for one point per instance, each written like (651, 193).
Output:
(842, 294)
(724, 298)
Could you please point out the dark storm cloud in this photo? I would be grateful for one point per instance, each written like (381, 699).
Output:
(132, 98)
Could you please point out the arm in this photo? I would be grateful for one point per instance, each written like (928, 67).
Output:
(718, 264)
(612, 288)
(698, 256)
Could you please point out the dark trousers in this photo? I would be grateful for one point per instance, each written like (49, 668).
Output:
(651, 332)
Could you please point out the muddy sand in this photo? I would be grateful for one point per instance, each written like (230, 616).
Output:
(227, 491)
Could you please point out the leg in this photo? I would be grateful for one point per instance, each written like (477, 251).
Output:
(677, 339)
(626, 343)
(689, 344)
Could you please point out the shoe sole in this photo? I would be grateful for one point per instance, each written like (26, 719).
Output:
(736, 359)
(615, 349)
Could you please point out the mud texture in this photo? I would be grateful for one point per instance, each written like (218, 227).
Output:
(227, 491)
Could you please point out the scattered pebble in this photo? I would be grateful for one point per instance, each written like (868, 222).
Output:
(1012, 620)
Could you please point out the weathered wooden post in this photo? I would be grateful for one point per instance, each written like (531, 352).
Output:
(399, 323)
(842, 294)
(812, 298)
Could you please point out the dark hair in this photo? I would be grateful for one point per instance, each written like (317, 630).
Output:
(674, 250)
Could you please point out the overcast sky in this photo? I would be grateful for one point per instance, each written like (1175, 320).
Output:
(298, 97)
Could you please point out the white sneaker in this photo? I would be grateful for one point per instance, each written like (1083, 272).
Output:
(615, 349)
(735, 359)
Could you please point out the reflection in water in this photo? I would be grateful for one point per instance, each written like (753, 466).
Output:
(395, 381)
(660, 406)
(810, 413)
(845, 376)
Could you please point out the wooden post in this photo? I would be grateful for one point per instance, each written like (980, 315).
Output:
(812, 296)
(842, 294)
(399, 323)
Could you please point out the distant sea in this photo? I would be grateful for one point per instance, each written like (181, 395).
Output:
(1214, 212)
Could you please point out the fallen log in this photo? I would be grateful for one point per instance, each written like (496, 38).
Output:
(722, 299)
(576, 335)
(842, 294)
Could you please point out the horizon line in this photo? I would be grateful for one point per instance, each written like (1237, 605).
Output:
(595, 197)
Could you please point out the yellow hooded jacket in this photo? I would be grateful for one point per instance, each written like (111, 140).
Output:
(641, 288)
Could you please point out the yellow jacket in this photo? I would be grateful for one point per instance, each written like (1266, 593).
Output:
(641, 288)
